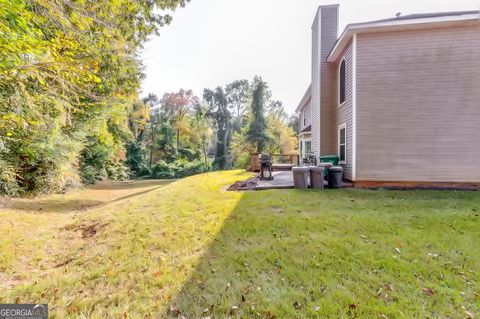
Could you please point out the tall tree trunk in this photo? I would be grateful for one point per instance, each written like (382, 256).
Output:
(152, 139)
(205, 156)
(178, 139)
(225, 145)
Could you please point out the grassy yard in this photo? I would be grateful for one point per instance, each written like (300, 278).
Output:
(191, 249)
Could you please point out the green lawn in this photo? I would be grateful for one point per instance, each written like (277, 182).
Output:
(191, 249)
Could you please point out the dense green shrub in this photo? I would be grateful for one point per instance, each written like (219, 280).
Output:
(177, 169)
(8, 181)
(99, 161)
(117, 172)
(137, 159)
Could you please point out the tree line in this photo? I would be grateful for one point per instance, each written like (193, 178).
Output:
(187, 134)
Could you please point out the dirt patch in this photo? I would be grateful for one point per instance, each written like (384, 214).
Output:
(8, 282)
(87, 229)
(64, 263)
(249, 184)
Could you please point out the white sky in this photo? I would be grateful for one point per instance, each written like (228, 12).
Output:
(213, 42)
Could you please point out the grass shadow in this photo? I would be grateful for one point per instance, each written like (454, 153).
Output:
(122, 185)
(338, 254)
(53, 205)
(83, 200)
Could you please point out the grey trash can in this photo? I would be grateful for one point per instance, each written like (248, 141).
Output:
(316, 177)
(300, 177)
(335, 176)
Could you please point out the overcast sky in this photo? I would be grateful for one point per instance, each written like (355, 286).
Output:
(214, 42)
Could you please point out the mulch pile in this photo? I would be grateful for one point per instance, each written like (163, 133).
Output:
(248, 185)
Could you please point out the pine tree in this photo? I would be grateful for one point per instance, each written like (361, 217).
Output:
(257, 126)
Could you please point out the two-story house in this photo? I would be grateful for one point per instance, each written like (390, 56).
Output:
(397, 99)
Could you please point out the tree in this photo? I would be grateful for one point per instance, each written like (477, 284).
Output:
(237, 97)
(294, 122)
(219, 111)
(176, 106)
(257, 126)
(202, 131)
(69, 77)
(283, 140)
(276, 110)
(237, 93)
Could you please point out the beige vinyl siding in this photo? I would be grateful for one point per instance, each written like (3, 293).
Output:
(328, 74)
(343, 113)
(418, 105)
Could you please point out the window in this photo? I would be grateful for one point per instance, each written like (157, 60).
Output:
(342, 143)
(308, 147)
(342, 82)
(304, 118)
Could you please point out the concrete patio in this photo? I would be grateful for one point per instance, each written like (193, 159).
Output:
(281, 180)
(284, 180)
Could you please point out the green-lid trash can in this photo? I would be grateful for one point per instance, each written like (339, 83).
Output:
(334, 159)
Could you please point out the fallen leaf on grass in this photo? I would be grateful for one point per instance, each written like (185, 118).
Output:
(469, 314)
(429, 291)
(297, 305)
(233, 309)
(398, 250)
(316, 308)
(270, 315)
(174, 311)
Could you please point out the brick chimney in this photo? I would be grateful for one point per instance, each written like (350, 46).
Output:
(324, 36)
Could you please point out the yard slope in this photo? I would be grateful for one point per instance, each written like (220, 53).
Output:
(193, 249)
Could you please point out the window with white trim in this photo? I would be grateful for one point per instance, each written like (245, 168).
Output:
(342, 79)
(342, 143)
(308, 147)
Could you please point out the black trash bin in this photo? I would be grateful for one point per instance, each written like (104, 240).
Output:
(335, 176)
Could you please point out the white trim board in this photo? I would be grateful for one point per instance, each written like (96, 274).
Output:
(340, 127)
(340, 104)
(354, 108)
(319, 151)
